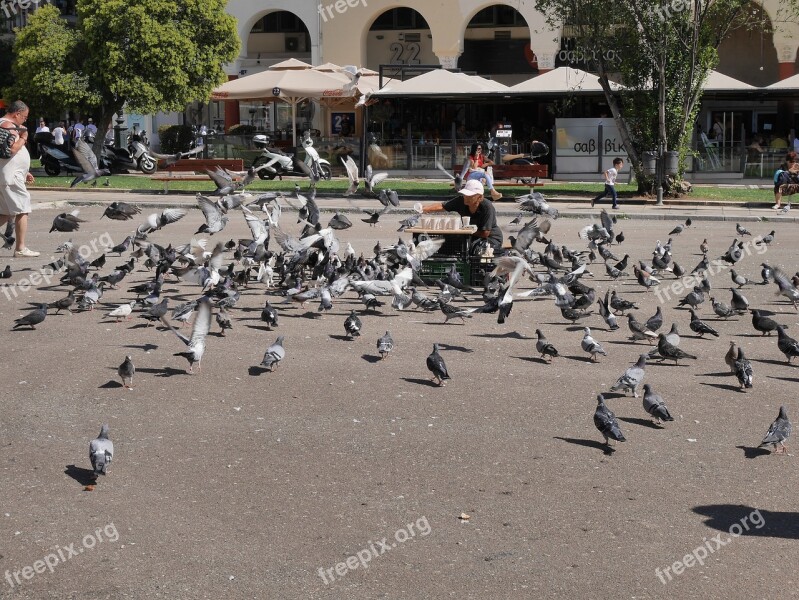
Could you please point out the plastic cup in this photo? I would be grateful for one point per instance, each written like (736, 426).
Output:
(466, 221)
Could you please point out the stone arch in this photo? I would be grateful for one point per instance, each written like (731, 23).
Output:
(398, 34)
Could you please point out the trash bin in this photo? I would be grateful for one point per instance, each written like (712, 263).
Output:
(649, 163)
(672, 164)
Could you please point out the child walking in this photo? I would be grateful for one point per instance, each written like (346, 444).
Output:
(610, 183)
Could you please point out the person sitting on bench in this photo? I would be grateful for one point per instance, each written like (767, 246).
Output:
(478, 162)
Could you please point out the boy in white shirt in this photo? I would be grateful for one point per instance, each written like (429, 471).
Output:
(610, 183)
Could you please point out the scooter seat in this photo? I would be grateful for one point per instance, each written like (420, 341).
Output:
(56, 153)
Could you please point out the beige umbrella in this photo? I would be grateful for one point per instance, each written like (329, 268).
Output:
(290, 81)
(440, 82)
(561, 81)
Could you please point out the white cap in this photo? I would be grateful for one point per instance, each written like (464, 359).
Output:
(472, 188)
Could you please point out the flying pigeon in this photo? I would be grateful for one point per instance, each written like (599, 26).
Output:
(67, 222)
(778, 433)
(126, 371)
(605, 421)
(87, 160)
(437, 366)
(632, 377)
(101, 451)
(196, 343)
(274, 354)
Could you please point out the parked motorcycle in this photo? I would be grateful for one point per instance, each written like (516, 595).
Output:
(278, 163)
(56, 159)
(138, 151)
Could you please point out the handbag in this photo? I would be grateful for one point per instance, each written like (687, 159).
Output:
(7, 140)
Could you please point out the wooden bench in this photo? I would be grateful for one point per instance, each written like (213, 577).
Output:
(185, 169)
(517, 172)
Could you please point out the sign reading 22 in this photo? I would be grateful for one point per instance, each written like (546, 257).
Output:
(404, 54)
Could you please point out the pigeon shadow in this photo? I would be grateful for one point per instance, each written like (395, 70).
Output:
(723, 517)
(144, 347)
(341, 338)
(455, 348)
(81, 475)
(753, 451)
(611, 395)
(533, 359)
(370, 358)
(771, 361)
(719, 374)
(257, 370)
(512, 335)
(791, 379)
(641, 422)
(426, 382)
(722, 386)
(162, 372)
(260, 327)
(582, 359)
(608, 450)
(628, 342)
(110, 385)
(142, 326)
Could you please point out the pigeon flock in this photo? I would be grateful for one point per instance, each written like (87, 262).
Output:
(307, 263)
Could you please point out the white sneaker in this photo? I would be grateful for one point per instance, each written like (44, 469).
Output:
(776, 207)
(27, 252)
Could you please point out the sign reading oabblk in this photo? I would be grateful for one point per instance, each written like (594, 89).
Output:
(587, 146)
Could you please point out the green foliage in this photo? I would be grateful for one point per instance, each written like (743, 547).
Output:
(6, 76)
(175, 138)
(145, 55)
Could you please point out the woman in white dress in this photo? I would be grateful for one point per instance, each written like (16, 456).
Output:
(15, 200)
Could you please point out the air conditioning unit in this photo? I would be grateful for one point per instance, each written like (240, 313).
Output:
(413, 37)
(292, 44)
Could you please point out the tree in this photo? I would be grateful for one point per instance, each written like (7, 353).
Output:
(662, 52)
(146, 55)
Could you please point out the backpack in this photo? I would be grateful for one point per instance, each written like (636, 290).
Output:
(780, 176)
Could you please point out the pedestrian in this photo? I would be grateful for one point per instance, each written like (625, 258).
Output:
(786, 179)
(717, 131)
(478, 162)
(481, 212)
(42, 128)
(59, 133)
(610, 183)
(91, 128)
(15, 200)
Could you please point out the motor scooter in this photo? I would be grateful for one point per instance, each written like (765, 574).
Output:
(278, 163)
(56, 159)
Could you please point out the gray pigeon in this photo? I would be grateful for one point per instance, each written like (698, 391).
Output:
(605, 421)
(778, 433)
(721, 309)
(437, 366)
(591, 346)
(655, 322)
(743, 369)
(699, 326)
(638, 330)
(655, 406)
(274, 354)
(632, 377)
(269, 315)
(101, 451)
(763, 324)
(353, 325)
(32, 319)
(739, 302)
(787, 345)
(385, 345)
(543, 346)
(196, 343)
(669, 351)
(126, 371)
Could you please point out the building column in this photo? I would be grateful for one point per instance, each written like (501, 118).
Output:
(786, 55)
(231, 109)
(448, 61)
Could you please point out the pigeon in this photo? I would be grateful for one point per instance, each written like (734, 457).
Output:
(66, 222)
(639, 331)
(157, 311)
(778, 433)
(731, 356)
(223, 320)
(543, 347)
(32, 319)
(196, 343)
(721, 309)
(64, 303)
(607, 314)
(669, 351)
(269, 316)
(655, 322)
(6, 273)
(739, 302)
(677, 270)
(123, 247)
(120, 211)
(101, 451)
(699, 326)
(703, 247)
(591, 346)
(738, 280)
(655, 406)
(617, 303)
(352, 325)
(742, 231)
(437, 366)
(452, 312)
(605, 421)
(385, 345)
(787, 345)
(632, 377)
(693, 298)
(743, 370)
(786, 288)
(88, 162)
(122, 311)
(677, 230)
(126, 371)
(785, 209)
(339, 222)
(215, 219)
(158, 221)
(274, 354)
(99, 262)
(763, 324)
